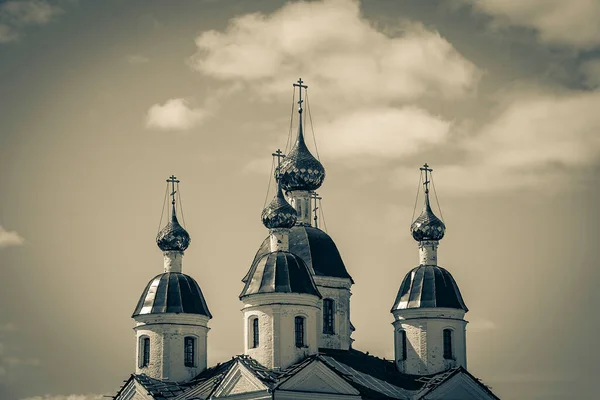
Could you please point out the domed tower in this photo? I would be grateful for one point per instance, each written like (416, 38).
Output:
(301, 174)
(429, 325)
(281, 302)
(171, 316)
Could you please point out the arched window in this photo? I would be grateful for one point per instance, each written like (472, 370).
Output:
(448, 351)
(189, 348)
(144, 351)
(402, 345)
(255, 339)
(299, 324)
(328, 316)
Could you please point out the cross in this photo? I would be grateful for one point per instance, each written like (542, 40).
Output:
(315, 197)
(173, 180)
(426, 168)
(279, 154)
(300, 85)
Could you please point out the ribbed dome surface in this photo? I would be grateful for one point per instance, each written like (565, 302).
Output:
(173, 236)
(300, 170)
(427, 226)
(279, 213)
(429, 286)
(279, 272)
(315, 247)
(172, 292)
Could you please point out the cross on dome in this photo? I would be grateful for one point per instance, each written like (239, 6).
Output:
(300, 85)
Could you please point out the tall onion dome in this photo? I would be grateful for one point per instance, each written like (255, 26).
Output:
(173, 236)
(279, 213)
(300, 170)
(427, 226)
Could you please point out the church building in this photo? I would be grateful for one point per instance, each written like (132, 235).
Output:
(297, 331)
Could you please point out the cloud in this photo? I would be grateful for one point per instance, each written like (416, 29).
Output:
(135, 59)
(591, 72)
(67, 397)
(349, 64)
(175, 114)
(8, 327)
(10, 238)
(572, 23)
(535, 141)
(16, 14)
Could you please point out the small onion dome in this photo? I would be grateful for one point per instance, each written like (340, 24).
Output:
(300, 170)
(279, 213)
(427, 226)
(172, 292)
(279, 272)
(316, 248)
(429, 286)
(173, 236)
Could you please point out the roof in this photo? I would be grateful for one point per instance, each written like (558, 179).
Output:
(315, 247)
(279, 272)
(172, 292)
(429, 286)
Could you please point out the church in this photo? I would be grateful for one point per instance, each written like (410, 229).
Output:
(297, 331)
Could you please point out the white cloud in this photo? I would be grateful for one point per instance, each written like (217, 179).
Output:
(333, 47)
(15, 14)
(175, 114)
(573, 23)
(10, 238)
(135, 59)
(67, 397)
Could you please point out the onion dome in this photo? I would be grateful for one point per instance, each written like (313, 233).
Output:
(315, 247)
(172, 292)
(279, 272)
(427, 226)
(279, 213)
(429, 286)
(173, 236)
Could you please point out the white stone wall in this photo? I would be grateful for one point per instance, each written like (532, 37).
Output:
(167, 333)
(300, 200)
(276, 314)
(424, 339)
(173, 260)
(428, 252)
(337, 289)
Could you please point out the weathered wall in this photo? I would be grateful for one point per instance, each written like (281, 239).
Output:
(337, 289)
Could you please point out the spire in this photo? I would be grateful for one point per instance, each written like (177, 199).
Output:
(427, 226)
(300, 170)
(173, 237)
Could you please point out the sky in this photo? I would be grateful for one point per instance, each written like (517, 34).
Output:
(100, 102)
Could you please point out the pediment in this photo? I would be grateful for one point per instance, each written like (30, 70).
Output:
(239, 380)
(318, 378)
(461, 386)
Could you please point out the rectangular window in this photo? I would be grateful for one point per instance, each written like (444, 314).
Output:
(299, 323)
(255, 339)
(145, 352)
(328, 315)
(448, 344)
(189, 351)
(403, 344)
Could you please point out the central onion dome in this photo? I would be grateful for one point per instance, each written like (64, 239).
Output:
(279, 213)
(427, 226)
(279, 272)
(429, 286)
(172, 292)
(173, 236)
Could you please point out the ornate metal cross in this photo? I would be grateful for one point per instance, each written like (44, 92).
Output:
(426, 168)
(173, 180)
(315, 197)
(279, 154)
(300, 85)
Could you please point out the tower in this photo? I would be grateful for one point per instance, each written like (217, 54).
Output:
(171, 316)
(281, 302)
(429, 325)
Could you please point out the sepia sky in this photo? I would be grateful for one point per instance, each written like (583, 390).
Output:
(100, 101)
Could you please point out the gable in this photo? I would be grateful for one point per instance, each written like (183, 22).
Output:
(461, 386)
(318, 378)
(239, 380)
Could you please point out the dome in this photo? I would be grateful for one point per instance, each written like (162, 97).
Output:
(429, 286)
(173, 236)
(172, 292)
(279, 272)
(279, 213)
(317, 250)
(427, 226)
(300, 170)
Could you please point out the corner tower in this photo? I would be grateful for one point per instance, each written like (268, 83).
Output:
(171, 316)
(429, 324)
(281, 302)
